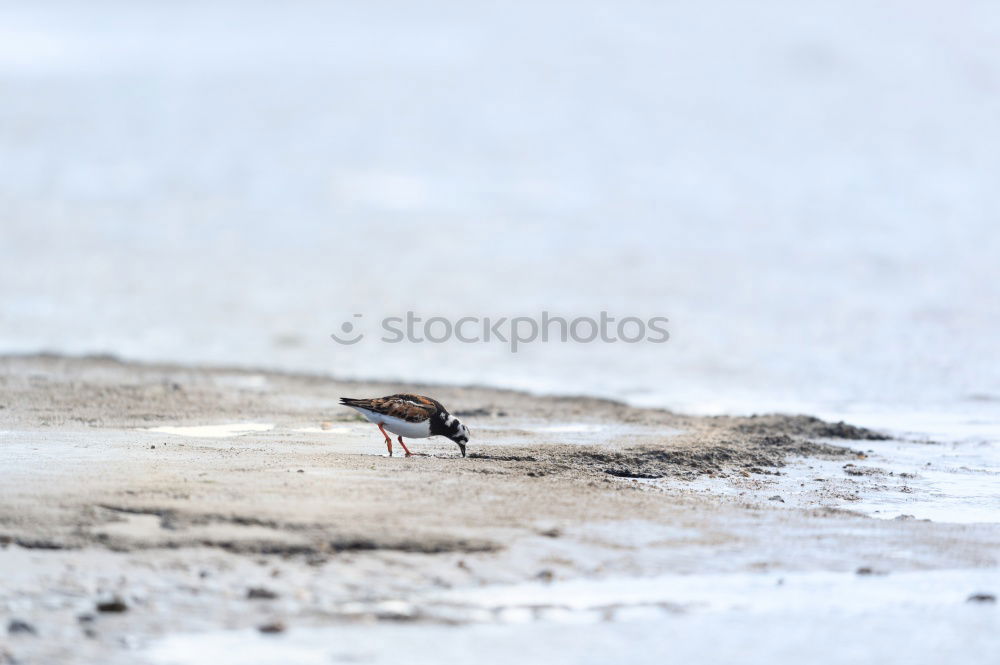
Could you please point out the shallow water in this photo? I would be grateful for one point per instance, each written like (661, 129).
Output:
(916, 617)
(212, 431)
(940, 467)
(792, 187)
(908, 481)
(955, 477)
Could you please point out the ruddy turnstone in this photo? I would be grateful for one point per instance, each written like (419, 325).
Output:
(412, 416)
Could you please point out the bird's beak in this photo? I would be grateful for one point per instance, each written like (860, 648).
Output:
(461, 447)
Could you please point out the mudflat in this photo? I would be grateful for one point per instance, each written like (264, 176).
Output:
(141, 501)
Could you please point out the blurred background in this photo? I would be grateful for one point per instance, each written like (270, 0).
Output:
(809, 191)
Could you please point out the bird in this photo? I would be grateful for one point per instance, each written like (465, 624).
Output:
(412, 416)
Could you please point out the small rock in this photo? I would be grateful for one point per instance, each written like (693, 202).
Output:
(903, 518)
(776, 498)
(301, 471)
(326, 424)
(981, 598)
(868, 570)
(260, 593)
(545, 575)
(19, 627)
(272, 628)
(115, 606)
(550, 533)
(398, 617)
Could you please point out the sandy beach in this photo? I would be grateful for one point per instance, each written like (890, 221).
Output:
(149, 511)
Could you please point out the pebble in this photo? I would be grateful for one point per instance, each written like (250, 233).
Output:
(19, 627)
(260, 593)
(868, 570)
(114, 606)
(272, 628)
(982, 598)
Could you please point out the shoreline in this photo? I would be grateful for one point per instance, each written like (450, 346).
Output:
(303, 520)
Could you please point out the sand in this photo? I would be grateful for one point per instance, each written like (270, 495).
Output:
(142, 503)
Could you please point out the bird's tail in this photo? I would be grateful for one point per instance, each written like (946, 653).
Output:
(351, 401)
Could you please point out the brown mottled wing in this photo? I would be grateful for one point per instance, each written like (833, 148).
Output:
(411, 408)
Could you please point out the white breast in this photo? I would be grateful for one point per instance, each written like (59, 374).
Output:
(398, 425)
(408, 429)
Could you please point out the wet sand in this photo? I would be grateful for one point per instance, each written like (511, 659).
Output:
(141, 503)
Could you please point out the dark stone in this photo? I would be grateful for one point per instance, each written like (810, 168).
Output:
(113, 606)
(260, 593)
(868, 570)
(19, 627)
(982, 598)
(272, 628)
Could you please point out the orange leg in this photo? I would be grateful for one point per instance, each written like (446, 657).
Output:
(408, 453)
(388, 441)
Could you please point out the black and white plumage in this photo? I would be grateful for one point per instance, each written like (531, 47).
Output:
(412, 416)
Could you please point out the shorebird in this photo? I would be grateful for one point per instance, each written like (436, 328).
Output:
(412, 416)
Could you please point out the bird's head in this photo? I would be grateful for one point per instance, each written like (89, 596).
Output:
(457, 432)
